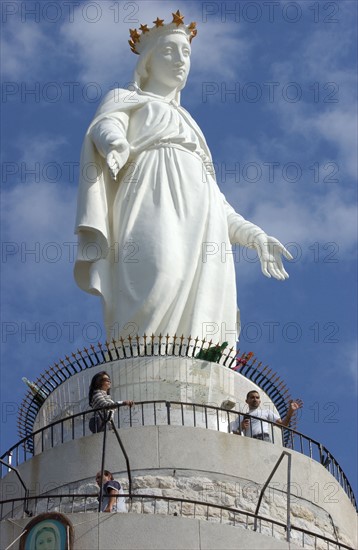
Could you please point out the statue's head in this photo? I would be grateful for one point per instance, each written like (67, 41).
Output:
(46, 536)
(164, 52)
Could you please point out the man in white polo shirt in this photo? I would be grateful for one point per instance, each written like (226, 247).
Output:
(256, 427)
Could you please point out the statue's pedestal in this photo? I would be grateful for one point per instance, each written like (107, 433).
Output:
(161, 378)
(183, 459)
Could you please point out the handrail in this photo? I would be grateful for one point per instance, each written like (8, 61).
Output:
(125, 457)
(325, 457)
(100, 500)
(17, 538)
(201, 503)
(150, 346)
(16, 472)
(288, 512)
(27, 492)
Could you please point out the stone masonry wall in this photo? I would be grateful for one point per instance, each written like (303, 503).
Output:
(242, 494)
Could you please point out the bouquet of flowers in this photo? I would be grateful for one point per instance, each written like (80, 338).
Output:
(243, 360)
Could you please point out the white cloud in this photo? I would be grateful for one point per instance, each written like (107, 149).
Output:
(306, 211)
(23, 47)
(102, 51)
(338, 127)
(43, 149)
(349, 362)
(324, 69)
(39, 211)
(325, 219)
(303, 212)
(44, 314)
(298, 218)
(37, 220)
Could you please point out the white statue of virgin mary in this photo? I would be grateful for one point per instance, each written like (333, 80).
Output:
(149, 207)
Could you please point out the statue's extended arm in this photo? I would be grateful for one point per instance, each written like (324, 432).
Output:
(109, 137)
(269, 249)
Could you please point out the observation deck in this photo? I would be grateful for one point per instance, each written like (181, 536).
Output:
(181, 467)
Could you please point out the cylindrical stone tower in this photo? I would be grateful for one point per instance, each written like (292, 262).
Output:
(189, 481)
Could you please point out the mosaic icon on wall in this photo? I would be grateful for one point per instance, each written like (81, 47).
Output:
(49, 531)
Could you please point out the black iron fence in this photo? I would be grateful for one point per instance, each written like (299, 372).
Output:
(174, 413)
(150, 346)
(171, 506)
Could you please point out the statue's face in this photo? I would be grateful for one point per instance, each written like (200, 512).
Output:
(170, 61)
(46, 540)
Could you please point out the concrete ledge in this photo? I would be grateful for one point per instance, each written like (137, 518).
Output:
(153, 532)
(196, 450)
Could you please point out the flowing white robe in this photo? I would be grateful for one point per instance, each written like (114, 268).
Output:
(155, 244)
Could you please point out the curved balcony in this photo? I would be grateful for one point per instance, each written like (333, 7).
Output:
(147, 347)
(152, 504)
(188, 446)
(171, 413)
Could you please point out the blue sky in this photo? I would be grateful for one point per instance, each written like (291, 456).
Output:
(273, 87)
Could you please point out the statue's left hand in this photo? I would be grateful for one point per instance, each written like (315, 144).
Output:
(270, 252)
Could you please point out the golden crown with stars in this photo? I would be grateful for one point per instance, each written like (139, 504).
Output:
(139, 40)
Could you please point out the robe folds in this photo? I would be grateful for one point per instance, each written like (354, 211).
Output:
(155, 243)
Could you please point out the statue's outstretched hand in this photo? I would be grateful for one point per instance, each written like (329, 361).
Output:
(270, 252)
(114, 162)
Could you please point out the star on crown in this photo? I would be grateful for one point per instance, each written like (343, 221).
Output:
(139, 39)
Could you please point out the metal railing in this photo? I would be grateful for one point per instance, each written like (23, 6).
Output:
(103, 459)
(149, 346)
(173, 506)
(146, 413)
(288, 505)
